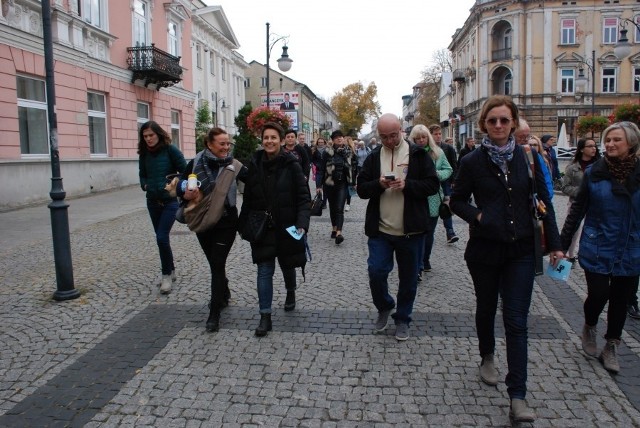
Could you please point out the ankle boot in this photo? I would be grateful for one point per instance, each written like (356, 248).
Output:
(264, 326)
(290, 301)
(488, 372)
(520, 412)
(609, 357)
(213, 322)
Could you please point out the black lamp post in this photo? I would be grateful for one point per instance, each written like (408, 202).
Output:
(58, 207)
(284, 62)
(591, 65)
(622, 49)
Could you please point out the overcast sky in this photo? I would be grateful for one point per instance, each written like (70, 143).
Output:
(334, 43)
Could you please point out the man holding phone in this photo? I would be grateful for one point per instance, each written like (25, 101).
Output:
(397, 179)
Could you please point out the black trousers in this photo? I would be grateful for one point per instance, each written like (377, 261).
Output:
(216, 244)
(337, 196)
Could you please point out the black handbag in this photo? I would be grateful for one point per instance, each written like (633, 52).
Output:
(444, 212)
(316, 205)
(256, 226)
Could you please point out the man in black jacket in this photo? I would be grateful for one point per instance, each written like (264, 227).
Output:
(292, 148)
(397, 179)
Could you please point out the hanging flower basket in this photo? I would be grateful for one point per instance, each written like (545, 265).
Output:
(627, 112)
(589, 124)
(261, 115)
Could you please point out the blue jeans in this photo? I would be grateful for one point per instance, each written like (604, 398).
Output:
(265, 283)
(448, 222)
(425, 253)
(380, 264)
(163, 215)
(513, 280)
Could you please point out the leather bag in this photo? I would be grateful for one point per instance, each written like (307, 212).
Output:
(256, 225)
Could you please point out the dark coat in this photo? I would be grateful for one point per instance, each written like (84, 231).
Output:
(421, 182)
(305, 160)
(506, 227)
(153, 168)
(279, 186)
(610, 240)
(333, 160)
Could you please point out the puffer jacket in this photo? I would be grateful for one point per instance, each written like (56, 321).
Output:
(444, 171)
(570, 182)
(610, 240)
(289, 202)
(153, 168)
(506, 227)
(420, 183)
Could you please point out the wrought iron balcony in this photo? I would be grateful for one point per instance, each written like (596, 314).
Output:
(154, 66)
(501, 54)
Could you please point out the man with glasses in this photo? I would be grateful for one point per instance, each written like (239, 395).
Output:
(450, 153)
(397, 179)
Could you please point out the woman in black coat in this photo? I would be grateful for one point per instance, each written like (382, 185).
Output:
(276, 184)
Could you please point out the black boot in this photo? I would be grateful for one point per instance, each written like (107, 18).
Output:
(290, 301)
(227, 294)
(264, 326)
(213, 322)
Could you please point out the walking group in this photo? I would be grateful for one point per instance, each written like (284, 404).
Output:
(501, 189)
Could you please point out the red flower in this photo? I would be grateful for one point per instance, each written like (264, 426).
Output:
(261, 115)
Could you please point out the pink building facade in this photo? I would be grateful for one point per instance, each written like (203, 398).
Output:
(104, 89)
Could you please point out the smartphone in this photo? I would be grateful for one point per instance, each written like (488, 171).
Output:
(390, 176)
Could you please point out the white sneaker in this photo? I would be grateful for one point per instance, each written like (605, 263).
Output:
(347, 207)
(165, 287)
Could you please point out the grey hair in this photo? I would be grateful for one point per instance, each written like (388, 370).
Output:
(631, 132)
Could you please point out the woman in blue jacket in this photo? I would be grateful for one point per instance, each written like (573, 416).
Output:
(609, 202)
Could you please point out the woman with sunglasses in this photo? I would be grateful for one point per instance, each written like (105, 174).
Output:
(586, 154)
(158, 159)
(500, 253)
(609, 202)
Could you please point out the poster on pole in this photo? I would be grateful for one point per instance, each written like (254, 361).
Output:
(287, 102)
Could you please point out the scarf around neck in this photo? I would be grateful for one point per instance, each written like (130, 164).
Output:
(208, 171)
(620, 168)
(500, 156)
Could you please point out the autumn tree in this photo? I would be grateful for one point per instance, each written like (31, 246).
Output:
(355, 105)
(429, 91)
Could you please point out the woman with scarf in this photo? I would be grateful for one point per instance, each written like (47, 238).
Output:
(334, 176)
(609, 202)
(586, 154)
(276, 184)
(216, 241)
(500, 254)
(158, 158)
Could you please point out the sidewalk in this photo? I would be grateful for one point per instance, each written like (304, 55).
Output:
(124, 355)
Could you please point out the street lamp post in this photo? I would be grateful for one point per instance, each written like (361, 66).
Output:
(622, 49)
(284, 62)
(591, 65)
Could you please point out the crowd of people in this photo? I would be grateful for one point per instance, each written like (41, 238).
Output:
(502, 187)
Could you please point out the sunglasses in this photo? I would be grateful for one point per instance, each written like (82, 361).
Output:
(494, 120)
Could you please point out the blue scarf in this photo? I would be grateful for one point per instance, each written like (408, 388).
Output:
(500, 156)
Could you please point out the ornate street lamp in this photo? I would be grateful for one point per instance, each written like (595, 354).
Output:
(284, 62)
(582, 80)
(622, 49)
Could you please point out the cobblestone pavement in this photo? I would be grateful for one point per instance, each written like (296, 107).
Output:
(123, 355)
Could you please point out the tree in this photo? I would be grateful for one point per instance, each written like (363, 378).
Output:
(429, 93)
(355, 105)
(203, 123)
(245, 141)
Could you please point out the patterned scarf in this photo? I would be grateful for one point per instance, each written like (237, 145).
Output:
(208, 171)
(620, 168)
(500, 156)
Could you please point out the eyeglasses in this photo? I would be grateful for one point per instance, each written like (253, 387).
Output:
(523, 137)
(392, 136)
(494, 120)
(590, 147)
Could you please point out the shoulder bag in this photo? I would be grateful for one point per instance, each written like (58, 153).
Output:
(538, 212)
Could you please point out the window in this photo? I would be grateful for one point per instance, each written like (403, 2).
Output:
(212, 63)
(140, 16)
(143, 114)
(636, 80)
(32, 116)
(637, 32)
(247, 82)
(92, 12)
(263, 82)
(507, 84)
(97, 112)
(568, 31)
(223, 69)
(609, 80)
(173, 39)
(199, 56)
(175, 128)
(610, 31)
(567, 80)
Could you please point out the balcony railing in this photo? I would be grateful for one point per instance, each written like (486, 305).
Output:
(458, 75)
(154, 66)
(501, 54)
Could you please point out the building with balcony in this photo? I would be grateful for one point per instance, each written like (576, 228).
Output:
(535, 52)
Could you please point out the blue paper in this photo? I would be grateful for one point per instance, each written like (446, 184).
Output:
(293, 231)
(561, 271)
